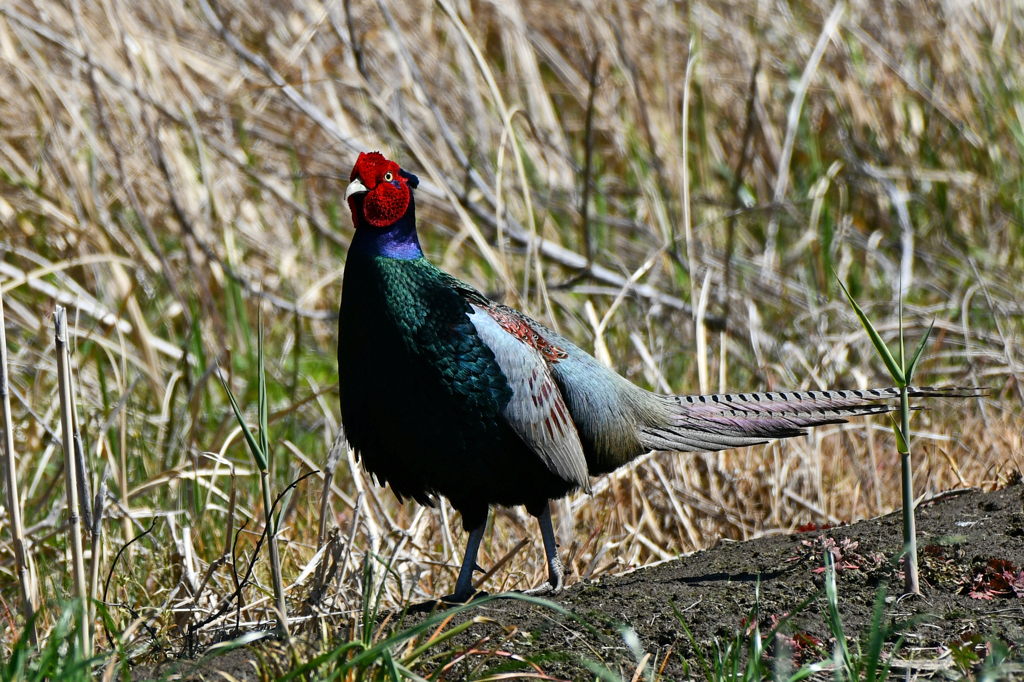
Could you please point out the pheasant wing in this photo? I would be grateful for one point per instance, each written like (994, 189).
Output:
(537, 410)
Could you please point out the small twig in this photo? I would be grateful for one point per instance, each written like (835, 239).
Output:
(500, 563)
(82, 470)
(348, 547)
(333, 457)
(333, 549)
(734, 191)
(234, 571)
(113, 564)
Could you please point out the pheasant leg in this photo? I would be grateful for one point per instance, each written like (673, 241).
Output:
(464, 585)
(555, 583)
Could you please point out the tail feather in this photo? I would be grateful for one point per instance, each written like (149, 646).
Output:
(717, 422)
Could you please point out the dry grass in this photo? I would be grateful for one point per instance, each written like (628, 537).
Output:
(157, 174)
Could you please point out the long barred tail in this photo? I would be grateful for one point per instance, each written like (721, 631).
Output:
(720, 421)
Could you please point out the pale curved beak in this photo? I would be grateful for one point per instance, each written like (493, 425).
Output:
(355, 187)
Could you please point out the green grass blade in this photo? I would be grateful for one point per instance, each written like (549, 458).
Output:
(912, 367)
(368, 655)
(884, 673)
(321, 660)
(601, 672)
(901, 442)
(903, 352)
(262, 391)
(254, 447)
(876, 639)
(756, 647)
(806, 671)
(883, 350)
(835, 622)
(408, 674)
(693, 642)
(389, 665)
(445, 636)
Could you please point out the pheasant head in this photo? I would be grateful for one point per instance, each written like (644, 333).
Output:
(386, 191)
(383, 211)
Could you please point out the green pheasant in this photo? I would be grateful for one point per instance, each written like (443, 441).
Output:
(444, 392)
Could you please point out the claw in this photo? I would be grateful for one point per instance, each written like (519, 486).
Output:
(546, 589)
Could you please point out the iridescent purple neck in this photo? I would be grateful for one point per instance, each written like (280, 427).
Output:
(397, 241)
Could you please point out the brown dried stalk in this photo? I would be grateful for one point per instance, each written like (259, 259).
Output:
(60, 326)
(10, 473)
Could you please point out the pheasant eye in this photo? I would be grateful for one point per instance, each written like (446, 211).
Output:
(388, 177)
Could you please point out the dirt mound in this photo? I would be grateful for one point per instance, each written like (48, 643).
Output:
(972, 568)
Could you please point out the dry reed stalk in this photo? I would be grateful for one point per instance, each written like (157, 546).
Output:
(691, 257)
(10, 474)
(71, 474)
(122, 444)
(330, 466)
(81, 462)
(588, 161)
(96, 532)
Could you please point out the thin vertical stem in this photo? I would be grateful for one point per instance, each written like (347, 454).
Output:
(60, 324)
(122, 444)
(10, 473)
(691, 262)
(275, 558)
(911, 584)
(97, 547)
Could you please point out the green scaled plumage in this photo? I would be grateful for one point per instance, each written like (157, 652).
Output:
(422, 395)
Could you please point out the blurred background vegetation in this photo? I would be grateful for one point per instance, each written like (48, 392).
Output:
(670, 184)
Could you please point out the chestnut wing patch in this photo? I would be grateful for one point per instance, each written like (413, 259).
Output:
(515, 325)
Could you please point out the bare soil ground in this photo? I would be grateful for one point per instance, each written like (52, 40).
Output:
(972, 554)
(961, 537)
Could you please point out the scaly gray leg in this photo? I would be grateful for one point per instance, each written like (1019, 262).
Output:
(555, 583)
(464, 585)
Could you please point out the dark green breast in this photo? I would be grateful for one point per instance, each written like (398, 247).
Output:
(422, 395)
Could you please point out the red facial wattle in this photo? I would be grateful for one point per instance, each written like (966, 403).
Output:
(386, 203)
(387, 196)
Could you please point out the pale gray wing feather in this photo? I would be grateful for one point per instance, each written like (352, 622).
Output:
(537, 411)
